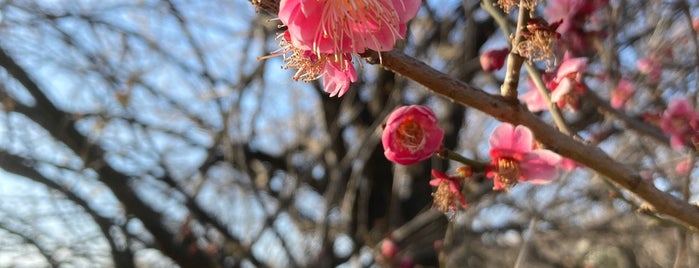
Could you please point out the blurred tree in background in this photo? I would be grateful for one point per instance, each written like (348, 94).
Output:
(147, 134)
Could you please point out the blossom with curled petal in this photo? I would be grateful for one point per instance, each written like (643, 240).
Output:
(411, 134)
(514, 159)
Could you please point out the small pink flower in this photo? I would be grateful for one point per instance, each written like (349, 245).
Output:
(411, 134)
(651, 68)
(681, 122)
(684, 167)
(493, 59)
(567, 87)
(448, 192)
(338, 26)
(624, 90)
(514, 159)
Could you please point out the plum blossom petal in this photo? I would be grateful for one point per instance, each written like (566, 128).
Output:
(534, 100)
(540, 166)
(407, 9)
(507, 137)
(562, 90)
(571, 68)
(335, 80)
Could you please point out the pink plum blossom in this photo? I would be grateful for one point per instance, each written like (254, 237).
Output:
(338, 26)
(411, 134)
(624, 90)
(681, 122)
(493, 59)
(514, 159)
(566, 86)
(651, 68)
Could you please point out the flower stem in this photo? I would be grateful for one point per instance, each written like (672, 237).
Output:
(451, 155)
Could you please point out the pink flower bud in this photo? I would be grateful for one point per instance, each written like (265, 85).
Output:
(411, 135)
(493, 59)
(389, 249)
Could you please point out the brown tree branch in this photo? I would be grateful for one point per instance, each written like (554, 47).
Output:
(499, 108)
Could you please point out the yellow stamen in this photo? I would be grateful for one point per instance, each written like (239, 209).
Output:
(508, 172)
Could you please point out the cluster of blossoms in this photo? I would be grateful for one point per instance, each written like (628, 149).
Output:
(411, 134)
(322, 36)
(566, 21)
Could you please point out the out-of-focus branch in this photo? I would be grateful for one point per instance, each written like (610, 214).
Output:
(62, 127)
(21, 166)
(46, 253)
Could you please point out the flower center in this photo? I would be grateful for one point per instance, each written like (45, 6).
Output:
(508, 172)
(410, 135)
(539, 42)
(445, 200)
